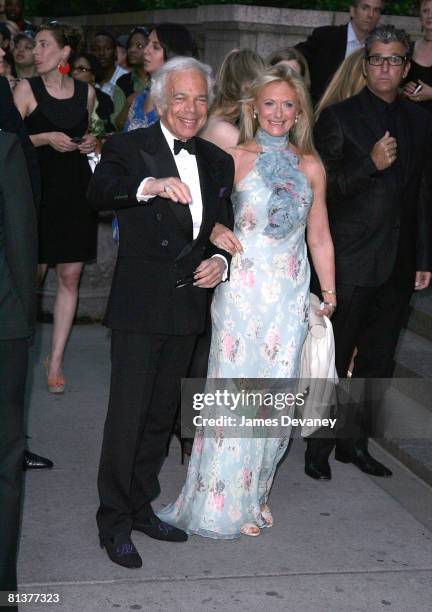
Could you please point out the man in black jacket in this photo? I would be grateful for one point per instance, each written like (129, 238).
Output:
(168, 189)
(11, 121)
(327, 46)
(18, 264)
(377, 149)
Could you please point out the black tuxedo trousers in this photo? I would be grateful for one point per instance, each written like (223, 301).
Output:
(13, 372)
(145, 387)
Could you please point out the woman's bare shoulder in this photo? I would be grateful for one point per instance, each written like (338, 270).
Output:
(312, 166)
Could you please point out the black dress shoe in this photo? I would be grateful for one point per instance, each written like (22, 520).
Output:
(121, 550)
(363, 460)
(319, 472)
(36, 462)
(159, 530)
(316, 458)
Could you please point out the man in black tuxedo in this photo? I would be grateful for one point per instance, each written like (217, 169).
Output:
(11, 121)
(327, 46)
(377, 149)
(168, 189)
(18, 265)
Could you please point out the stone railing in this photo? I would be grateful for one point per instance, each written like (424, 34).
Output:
(217, 29)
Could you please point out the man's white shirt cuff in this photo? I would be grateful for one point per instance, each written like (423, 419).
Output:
(225, 274)
(144, 198)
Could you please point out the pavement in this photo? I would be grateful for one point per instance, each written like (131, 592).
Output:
(354, 543)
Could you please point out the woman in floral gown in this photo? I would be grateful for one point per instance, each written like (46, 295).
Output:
(260, 317)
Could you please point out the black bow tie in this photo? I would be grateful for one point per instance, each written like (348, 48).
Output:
(189, 145)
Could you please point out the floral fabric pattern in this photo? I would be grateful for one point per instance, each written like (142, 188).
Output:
(259, 324)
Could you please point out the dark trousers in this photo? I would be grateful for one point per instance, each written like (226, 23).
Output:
(369, 318)
(144, 393)
(13, 372)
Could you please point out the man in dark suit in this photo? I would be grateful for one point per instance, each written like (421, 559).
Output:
(377, 150)
(327, 46)
(168, 189)
(11, 121)
(18, 264)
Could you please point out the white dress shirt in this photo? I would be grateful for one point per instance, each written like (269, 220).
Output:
(188, 170)
(353, 42)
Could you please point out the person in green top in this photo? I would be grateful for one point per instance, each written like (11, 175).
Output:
(132, 83)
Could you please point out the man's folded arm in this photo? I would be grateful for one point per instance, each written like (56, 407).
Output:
(225, 214)
(112, 187)
(345, 178)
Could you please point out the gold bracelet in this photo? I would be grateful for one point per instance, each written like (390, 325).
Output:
(331, 291)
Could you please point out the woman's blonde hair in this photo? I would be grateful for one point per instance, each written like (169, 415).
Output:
(347, 81)
(301, 132)
(289, 54)
(238, 69)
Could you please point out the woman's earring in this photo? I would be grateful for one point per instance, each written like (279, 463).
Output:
(254, 114)
(296, 119)
(64, 69)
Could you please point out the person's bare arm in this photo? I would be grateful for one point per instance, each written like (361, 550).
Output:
(26, 103)
(318, 234)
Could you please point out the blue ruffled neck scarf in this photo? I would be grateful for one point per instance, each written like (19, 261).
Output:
(277, 165)
(270, 143)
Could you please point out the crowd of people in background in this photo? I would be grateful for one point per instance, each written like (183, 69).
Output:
(294, 114)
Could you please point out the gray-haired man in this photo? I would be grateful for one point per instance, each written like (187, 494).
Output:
(168, 189)
(377, 150)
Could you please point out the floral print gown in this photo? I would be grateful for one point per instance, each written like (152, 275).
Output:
(259, 324)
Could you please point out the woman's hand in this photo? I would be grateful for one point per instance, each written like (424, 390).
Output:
(61, 142)
(88, 145)
(328, 309)
(423, 95)
(223, 238)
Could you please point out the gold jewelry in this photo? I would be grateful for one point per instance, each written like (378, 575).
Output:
(331, 291)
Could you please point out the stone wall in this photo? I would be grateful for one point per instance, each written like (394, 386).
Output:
(217, 30)
(220, 28)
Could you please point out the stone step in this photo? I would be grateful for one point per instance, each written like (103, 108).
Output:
(413, 370)
(407, 407)
(420, 320)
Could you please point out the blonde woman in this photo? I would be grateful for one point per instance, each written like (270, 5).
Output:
(347, 81)
(259, 318)
(238, 69)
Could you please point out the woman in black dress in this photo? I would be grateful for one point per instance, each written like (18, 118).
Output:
(418, 86)
(56, 110)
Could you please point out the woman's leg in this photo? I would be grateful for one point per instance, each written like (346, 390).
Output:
(68, 277)
(41, 274)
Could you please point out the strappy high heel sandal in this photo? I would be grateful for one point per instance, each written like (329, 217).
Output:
(267, 515)
(250, 529)
(56, 384)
